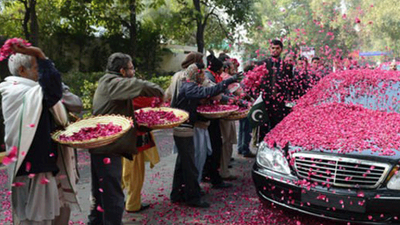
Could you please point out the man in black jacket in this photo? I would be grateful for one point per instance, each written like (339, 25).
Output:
(275, 88)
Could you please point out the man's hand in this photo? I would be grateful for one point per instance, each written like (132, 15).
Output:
(33, 51)
(239, 76)
(242, 104)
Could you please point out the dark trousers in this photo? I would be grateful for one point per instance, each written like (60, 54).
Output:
(185, 185)
(244, 136)
(106, 190)
(276, 114)
(263, 130)
(212, 164)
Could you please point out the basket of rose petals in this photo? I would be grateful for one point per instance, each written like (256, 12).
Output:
(94, 132)
(216, 111)
(239, 114)
(160, 118)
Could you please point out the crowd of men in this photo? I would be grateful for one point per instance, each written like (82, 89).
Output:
(43, 174)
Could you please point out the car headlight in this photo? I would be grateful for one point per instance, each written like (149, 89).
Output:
(272, 158)
(394, 179)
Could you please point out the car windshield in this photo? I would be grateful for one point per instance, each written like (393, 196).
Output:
(346, 112)
(376, 90)
(383, 97)
(387, 67)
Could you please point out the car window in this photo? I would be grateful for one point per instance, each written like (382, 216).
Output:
(387, 67)
(384, 97)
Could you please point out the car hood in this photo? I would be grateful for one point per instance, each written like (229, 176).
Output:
(345, 128)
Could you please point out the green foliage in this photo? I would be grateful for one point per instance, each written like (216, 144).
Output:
(10, 18)
(80, 35)
(307, 23)
(162, 81)
(96, 28)
(79, 82)
(380, 25)
(148, 50)
(214, 20)
(88, 90)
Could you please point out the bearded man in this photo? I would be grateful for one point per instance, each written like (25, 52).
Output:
(114, 95)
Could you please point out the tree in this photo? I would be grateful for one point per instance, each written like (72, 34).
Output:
(380, 25)
(201, 11)
(29, 21)
(298, 23)
(112, 14)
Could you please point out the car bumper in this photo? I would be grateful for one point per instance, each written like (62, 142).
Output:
(375, 206)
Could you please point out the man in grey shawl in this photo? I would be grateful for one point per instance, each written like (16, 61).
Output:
(114, 95)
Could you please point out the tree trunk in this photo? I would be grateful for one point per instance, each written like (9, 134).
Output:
(200, 27)
(132, 29)
(200, 37)
(26, 20)
(34, 37)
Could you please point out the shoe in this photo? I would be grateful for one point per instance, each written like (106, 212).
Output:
(249, 155)
(229, 166)
(198, 204)
(231, 177)
(143, 206)
(232, 159)
(222, 185)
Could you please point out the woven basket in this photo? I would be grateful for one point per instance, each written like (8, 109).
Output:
(238, 115)
(183, 116)
(219, 114)
(124, 122)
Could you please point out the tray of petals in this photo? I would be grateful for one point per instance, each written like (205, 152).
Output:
(239, 114)
(160, 118)
(93, 132)
(216, 111)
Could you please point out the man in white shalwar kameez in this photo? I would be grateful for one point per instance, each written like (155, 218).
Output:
(42, 174)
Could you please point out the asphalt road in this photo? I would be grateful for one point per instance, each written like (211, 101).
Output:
(236, 205)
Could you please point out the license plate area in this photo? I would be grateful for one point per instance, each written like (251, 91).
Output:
(340, 202)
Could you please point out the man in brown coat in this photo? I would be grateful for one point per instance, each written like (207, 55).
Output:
(114, 95)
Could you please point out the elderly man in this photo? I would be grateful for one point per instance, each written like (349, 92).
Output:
(31, 107)
(185, 186)
(176, 81)
(114, 95)
(201, 137)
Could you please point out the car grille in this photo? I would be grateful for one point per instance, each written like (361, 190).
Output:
(340, 171)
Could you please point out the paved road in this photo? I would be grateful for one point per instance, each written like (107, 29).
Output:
(237, 205)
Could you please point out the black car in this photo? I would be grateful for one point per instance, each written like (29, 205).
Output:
(336, 155)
